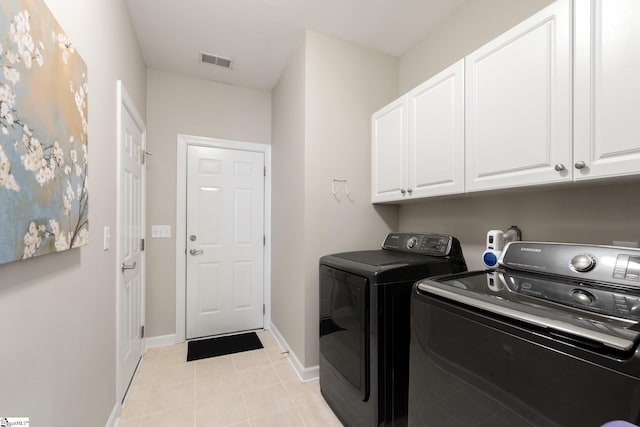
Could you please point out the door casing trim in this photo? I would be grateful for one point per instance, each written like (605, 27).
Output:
(181, 221)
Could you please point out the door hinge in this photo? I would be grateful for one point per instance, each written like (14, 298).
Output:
(264, 309)
(264, 240)
(265, 171)
(142, 331)
(142, 244)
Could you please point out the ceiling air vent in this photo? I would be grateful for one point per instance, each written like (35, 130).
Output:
(215, 60)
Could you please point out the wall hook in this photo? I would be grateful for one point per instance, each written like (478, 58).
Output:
(333, 189)
(346, 189)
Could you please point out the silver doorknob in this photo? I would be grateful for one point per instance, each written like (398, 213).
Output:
(559, 167)
(402, 190)
(580, 165)
(410, 190)
(195, 252)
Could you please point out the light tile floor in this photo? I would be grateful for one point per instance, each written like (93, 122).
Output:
(250, 389)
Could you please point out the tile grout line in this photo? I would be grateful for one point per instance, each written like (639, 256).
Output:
(244, 400)
(272, 360)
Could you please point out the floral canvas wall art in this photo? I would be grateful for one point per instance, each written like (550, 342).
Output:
(43, 135)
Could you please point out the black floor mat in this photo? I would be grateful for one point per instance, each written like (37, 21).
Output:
(212, 347)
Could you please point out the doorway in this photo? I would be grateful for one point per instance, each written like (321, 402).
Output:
(222, 245)
(130, 273)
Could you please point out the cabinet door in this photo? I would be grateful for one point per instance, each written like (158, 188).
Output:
(607, 88)
(436, 135)
(518, 104)
(389, 137)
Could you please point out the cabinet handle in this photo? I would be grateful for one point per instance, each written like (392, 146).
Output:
(559, 167)
(580, 165)
(410, 190)
(402, 190)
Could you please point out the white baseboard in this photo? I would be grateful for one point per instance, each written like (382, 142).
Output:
(304, 374)
(115, 414)
(159, 341)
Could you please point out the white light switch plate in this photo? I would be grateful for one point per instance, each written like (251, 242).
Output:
(160, 231)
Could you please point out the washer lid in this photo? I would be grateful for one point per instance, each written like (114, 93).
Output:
(523, 299)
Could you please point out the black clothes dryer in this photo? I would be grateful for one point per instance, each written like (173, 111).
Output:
(364, 324)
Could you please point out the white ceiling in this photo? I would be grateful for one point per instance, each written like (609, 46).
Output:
(259, 35)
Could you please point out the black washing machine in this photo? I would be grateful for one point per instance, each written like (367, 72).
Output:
(364, 323)
(550, 338)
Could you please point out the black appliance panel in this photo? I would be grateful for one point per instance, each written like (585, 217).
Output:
(469, 368)
(388, 276)
(550, 338)
(424, 244)
(343, 325)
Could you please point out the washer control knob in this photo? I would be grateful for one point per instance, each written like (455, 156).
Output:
(582, 297)
(583, 263)
(412, 242)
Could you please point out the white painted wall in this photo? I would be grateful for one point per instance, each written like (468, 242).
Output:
(185, 105)
(580, 213)
(585, 213)
(322, 107)
(345, 84)
(287, 242)
(472, 25)
(58, 358)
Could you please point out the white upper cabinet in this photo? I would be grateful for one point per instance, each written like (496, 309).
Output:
(436, 135)
(389, 133)
(607, 88)
(418, 141)
(518, 100)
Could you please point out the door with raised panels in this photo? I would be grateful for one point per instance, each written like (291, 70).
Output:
(518, 104)
(225, 241)
(131, 231)
(607, 88)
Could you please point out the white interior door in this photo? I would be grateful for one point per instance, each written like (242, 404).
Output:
(224, 241)
(130, 255)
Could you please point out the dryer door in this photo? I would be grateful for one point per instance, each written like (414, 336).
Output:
(344, 326)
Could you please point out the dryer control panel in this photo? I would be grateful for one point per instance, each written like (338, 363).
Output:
(419, 243)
